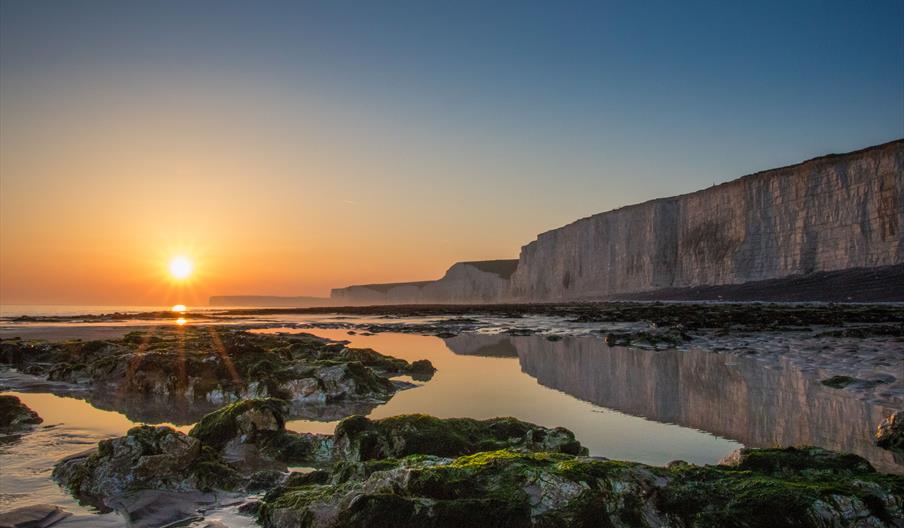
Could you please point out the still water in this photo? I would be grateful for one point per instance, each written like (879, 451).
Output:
(483, 376)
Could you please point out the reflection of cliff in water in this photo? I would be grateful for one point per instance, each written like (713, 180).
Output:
(482, 345)
(733, 397)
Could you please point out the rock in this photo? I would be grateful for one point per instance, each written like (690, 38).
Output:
(890, 433)
(517, 488)
(669, 338)
(207, 366)
(838, 382)
(39, 516)
(242, 446)
(252, 435)
(358, 438)
(422, 367)
(791, 460)
(15, 415)
(146, 458)
(383, 363)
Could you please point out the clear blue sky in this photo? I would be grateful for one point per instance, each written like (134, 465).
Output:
(487, 122)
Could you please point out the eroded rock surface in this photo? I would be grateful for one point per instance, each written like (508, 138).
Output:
(243, 446)
(358, 438)
(212, 366)
(417, 470)
(517, 488)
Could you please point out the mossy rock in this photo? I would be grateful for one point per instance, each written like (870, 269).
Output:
(243, 446)
(145, 458)
(221, 426)
(208, 365)
(261, 423)
(358, 438)
(518, 488)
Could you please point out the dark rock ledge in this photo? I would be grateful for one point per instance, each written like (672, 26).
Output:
(15, 416)
(417, 470)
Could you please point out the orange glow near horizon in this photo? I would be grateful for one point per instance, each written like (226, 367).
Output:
(250, 219)
(179, 308)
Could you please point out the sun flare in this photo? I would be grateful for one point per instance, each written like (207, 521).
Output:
(179, 308)
(180, 268)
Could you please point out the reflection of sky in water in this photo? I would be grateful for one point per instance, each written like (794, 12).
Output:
(70, 426)
(485, 387)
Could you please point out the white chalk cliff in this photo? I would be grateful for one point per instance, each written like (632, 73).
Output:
(837, 212)
(464, 283)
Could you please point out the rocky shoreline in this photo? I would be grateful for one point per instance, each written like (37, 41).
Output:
(418, 470)
(240, 383)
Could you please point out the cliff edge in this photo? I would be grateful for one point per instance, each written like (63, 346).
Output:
(792, 233)
(827, 214)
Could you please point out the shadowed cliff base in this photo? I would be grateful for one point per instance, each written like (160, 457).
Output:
(882, 284)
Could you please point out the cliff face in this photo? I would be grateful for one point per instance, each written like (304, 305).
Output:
(464, 283)
(815, 220)
(831, 213)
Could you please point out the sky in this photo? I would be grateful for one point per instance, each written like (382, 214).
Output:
(291, 147)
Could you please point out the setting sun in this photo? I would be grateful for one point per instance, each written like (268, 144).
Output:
(179, 308)
(180, 267)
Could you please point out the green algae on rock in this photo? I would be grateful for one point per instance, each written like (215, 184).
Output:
(358, 438)
(249, 432)
(242, 446)
(146, 458)
(217, 365)
(516, 488)
(15, 415)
